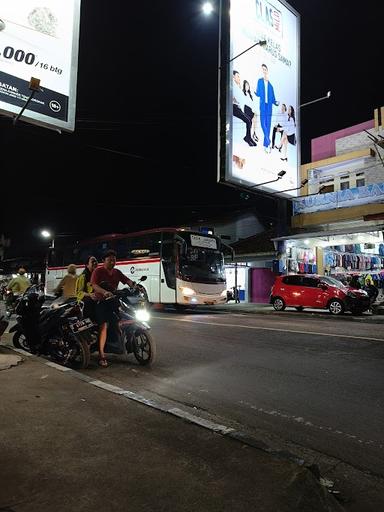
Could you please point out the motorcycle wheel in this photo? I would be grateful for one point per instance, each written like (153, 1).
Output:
(20, 341)
(70, 350)
(144, 348)
(83, 355)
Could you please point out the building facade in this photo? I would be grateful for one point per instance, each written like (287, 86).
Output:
(338, 220)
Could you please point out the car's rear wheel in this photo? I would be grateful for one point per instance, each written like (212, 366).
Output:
(278, 304)
(336, 307)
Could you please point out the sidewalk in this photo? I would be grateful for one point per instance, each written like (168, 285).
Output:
(67, 445)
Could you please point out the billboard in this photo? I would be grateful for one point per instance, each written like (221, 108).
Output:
(40, 42)
(259, 95)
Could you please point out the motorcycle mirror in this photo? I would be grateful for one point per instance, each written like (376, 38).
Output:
(143, 278)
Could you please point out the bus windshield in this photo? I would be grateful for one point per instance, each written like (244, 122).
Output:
(202, 265)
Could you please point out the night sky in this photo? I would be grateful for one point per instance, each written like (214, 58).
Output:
(147, 118)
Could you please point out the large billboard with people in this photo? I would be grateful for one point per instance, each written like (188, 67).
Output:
(40, 42)
(259, 96)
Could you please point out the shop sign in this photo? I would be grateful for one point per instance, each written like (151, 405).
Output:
(341, 199)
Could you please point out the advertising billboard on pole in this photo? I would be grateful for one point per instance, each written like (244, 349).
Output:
(259, 144)
(40, 42)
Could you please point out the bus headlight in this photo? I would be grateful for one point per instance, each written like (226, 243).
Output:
(188, 292)
(142, 315)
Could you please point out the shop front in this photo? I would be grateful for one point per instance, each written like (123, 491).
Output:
(257, 263)
(340, 254)
(237, 275)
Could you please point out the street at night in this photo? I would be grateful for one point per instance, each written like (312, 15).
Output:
(191, 256)
(305, 384)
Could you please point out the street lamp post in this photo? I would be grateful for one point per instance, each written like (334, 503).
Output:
(45, 233)
(48, 235)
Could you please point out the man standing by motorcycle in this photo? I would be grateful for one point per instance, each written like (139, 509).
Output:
(105, 281)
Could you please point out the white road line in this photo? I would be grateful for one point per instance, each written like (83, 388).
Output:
(275, 329)
(302, 421)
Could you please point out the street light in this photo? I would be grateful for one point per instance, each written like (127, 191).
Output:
(328, 95)
(207, 8)
(45, 233)
(279, 176)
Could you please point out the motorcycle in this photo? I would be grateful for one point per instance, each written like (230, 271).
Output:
(60, 332)
(129, 334)
(11, 302)
(3, 325)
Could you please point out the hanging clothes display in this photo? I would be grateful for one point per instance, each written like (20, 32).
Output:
(301, 260)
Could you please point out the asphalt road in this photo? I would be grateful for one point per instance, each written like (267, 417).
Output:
(315, 383)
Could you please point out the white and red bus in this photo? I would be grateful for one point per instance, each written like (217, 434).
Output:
(182, 267)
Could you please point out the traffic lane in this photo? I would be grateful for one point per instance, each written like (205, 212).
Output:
(320, 392)
(323, 396)
(323, 326)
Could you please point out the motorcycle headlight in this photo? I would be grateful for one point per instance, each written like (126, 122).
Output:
(187, 291)
(142, 315)
(224, 293)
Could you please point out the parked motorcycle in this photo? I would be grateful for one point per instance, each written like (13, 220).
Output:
(3, 325)
(129, 334)
(59, 332)
(11, 302)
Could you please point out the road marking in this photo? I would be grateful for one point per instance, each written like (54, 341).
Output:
(275, 329)
(304, 422)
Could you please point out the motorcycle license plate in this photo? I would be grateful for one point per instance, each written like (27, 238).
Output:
(81, 325)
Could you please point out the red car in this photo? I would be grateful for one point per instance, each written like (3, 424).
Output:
(311, 291)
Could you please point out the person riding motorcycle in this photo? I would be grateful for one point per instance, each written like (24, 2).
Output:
(20, 283)
(105, 309)
(84, 289)
(67, 286)
(17, 286)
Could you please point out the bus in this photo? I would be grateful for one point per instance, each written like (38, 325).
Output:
(183, 267)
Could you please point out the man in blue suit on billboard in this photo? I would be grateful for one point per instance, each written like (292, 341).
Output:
(266, 94)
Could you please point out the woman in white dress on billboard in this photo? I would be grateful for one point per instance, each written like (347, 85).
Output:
(250, 108)
(289, 133)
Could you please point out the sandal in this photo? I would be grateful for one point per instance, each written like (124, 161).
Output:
(103, 362)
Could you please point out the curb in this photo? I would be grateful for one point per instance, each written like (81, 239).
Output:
(163, 406)
(305, 474)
